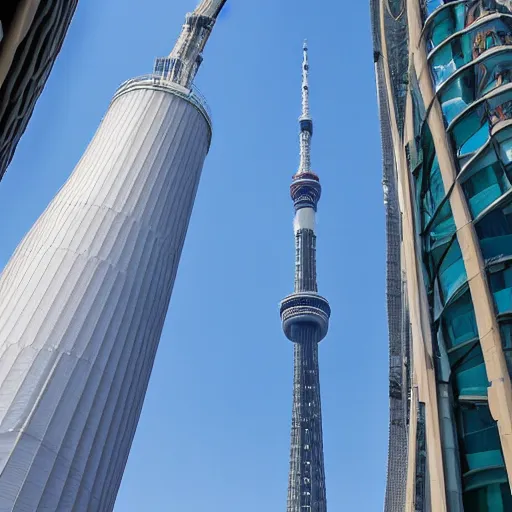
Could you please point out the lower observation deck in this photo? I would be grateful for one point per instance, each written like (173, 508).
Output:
(158, 82)
(305, 308)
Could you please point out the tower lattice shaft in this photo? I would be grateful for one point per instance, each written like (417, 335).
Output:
(306, 486)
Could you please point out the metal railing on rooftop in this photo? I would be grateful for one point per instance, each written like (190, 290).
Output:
(192, 95)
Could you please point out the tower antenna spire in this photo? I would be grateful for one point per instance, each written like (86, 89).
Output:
(305, 81)
(305, 120)
(186, 56)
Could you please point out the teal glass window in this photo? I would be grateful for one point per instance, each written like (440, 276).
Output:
(434, 194)
(468, 369)
(445, 23)
(500, 278)
(452, 272)
(468, 46)
(502, 143)
(494, 497)
(419, 115)
(474, 82)
(432, 5)
(459, 322)
(431, 190)
(472, 129)
(460, 15)
(495, 233)
(438, 237)
(480, 438)
(460, 334)
(485, 187)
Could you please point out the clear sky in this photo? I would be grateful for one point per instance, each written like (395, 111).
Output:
(214, 432)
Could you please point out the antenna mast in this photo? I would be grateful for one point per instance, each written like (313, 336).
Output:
(186, 56)
(306, 123)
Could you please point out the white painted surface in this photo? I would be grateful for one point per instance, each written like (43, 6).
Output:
(83, 301)
(304, 219)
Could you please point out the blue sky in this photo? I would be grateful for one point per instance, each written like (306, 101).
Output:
(214, 431)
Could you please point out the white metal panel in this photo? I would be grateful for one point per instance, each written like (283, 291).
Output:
(83, 301)
(304, 219)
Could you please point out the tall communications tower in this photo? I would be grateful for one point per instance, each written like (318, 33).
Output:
(305, 316)
(84, 298)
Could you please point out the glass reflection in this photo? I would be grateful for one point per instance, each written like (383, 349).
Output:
(472, 130)
(461, 15)
(475, 82)
(469, 46)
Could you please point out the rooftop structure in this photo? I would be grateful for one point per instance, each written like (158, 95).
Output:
(31, 36)
(305, 317)
(444, 87)
(84, 297)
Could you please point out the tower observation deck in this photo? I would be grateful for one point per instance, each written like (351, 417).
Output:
(305, 318)
(84, 297)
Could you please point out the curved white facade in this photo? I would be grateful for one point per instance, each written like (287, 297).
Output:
(83, 301)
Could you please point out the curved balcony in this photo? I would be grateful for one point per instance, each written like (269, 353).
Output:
(434, 5)
(471, 129)
(486, 167)
(454, 16)
(156, 81)
(469, 46)
(474, 81)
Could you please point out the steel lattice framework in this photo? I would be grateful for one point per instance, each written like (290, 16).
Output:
(305, 316)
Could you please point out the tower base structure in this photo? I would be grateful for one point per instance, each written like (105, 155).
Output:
(84, 298)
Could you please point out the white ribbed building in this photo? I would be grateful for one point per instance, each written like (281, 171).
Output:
(84, 297)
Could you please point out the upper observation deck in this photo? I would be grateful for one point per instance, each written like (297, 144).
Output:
(159, 82)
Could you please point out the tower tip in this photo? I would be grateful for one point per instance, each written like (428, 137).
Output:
(306, 123)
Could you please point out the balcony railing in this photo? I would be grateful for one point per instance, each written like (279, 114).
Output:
(193, 95)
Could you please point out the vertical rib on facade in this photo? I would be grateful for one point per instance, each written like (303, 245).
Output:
(83, 301)
(29, 62)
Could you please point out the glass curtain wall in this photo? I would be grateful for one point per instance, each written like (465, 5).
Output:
(469, 46)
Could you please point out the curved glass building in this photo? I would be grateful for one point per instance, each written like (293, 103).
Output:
(444, 74)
